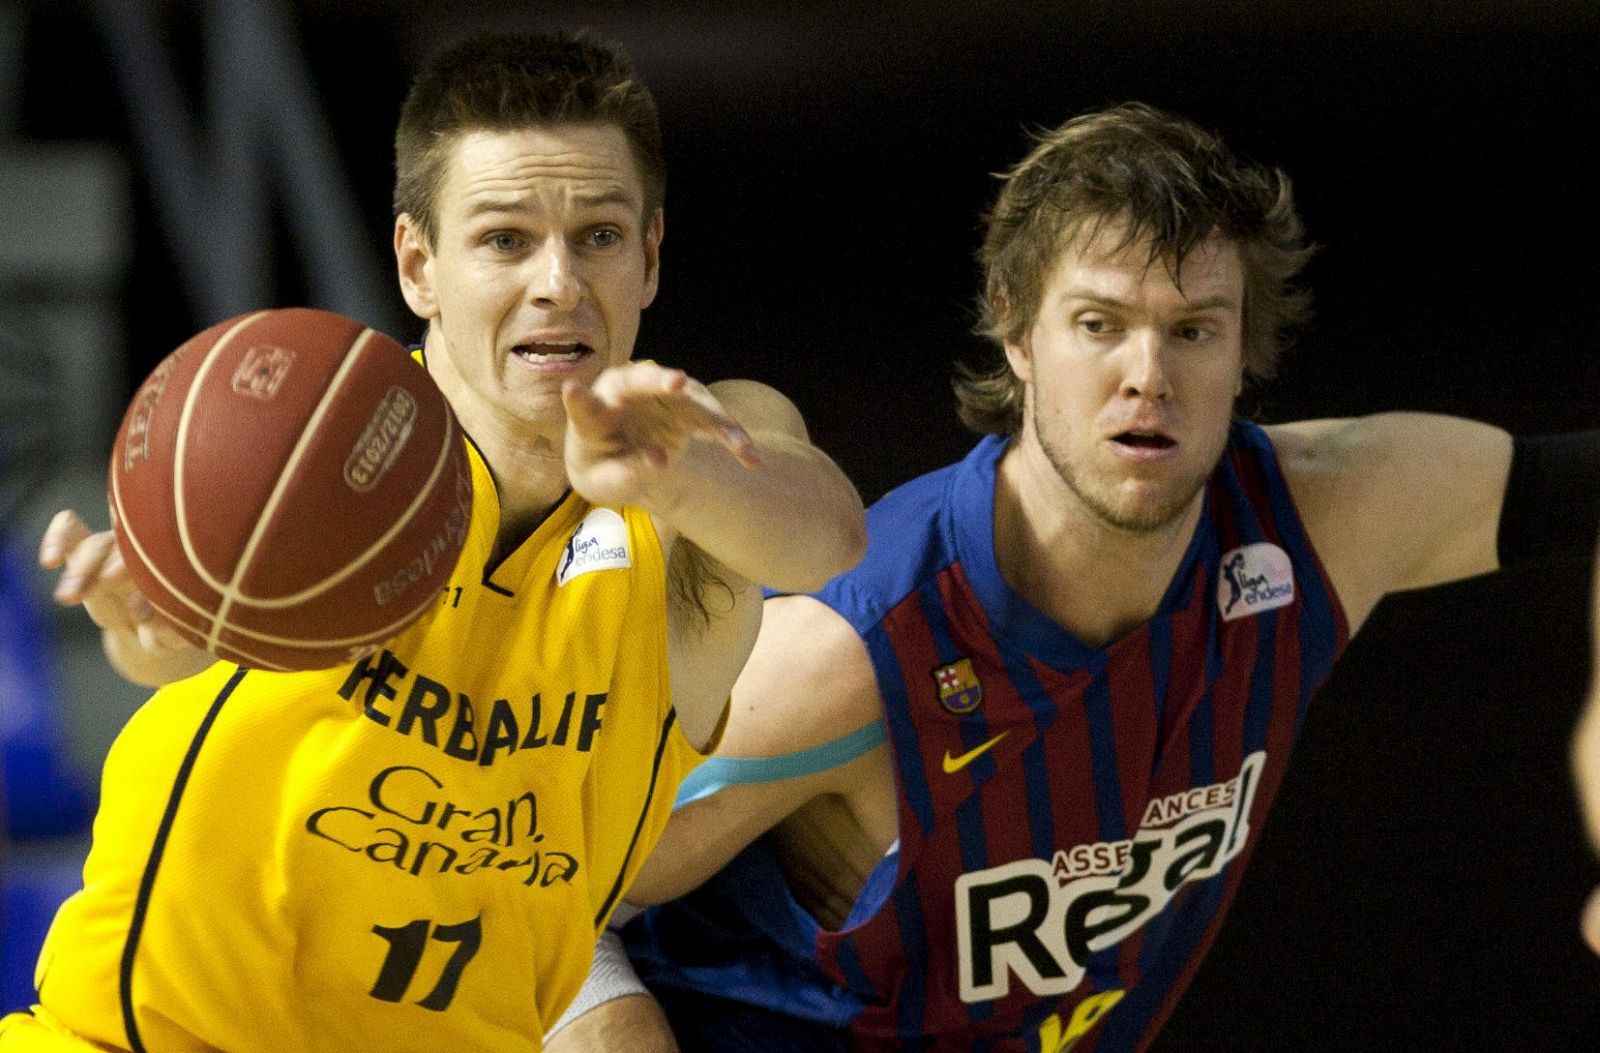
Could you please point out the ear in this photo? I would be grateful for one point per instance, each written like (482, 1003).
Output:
(414, 262)
(654, 231)
(1019, 352)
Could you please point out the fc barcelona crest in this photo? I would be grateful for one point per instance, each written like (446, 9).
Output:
(959, 689)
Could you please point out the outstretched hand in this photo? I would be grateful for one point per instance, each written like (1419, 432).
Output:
(628, 431)
(95, 576)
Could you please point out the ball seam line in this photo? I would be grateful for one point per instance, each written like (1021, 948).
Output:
(290, 469)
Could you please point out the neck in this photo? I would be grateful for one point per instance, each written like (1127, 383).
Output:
(529, 478)
(1096, 580)
(524, 458)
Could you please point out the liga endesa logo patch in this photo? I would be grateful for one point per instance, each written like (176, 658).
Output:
(599, 543)
(1254, 578)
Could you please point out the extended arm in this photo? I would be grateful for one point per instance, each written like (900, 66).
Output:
(730, 471)
(1402, 501)
(1396, 501)
(728, 468)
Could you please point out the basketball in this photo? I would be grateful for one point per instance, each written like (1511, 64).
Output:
(289, 489)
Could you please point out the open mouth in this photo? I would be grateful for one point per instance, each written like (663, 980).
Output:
(1144, 440)
(552, 354)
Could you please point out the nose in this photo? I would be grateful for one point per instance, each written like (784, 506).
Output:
(553, 282)
(1145, 368)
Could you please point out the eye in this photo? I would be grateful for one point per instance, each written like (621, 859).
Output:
(1095, 324)
(1195, 333)
(504, 241)
(605, 237)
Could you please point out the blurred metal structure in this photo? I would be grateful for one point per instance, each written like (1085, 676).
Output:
(66, 208)
(29, 452)
(10, 67)
(259, 129)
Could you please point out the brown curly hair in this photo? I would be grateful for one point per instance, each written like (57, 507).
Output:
(1169, 182)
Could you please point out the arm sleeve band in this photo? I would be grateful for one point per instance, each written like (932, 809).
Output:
(1552, 504)
(719, 773)
(611, 976)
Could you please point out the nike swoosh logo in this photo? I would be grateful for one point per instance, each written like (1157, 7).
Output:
(955, 764)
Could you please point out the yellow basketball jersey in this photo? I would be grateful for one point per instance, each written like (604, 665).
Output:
(413, 852)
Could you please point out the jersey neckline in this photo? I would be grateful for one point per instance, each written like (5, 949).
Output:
(971, 504)
(517, 554)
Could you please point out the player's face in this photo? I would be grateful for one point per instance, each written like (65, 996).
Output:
(540, 266)
(1131, 377)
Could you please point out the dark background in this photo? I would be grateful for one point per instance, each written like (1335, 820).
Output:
(1419, 885)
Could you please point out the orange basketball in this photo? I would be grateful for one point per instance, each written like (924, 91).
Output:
(289, 489)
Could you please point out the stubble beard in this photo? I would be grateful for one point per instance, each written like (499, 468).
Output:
(1132, 517)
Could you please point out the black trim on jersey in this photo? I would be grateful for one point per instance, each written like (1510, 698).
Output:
(638, 828)
(147, 882)
(490, 568)
(465, 434)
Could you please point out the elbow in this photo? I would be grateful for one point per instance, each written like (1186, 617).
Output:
(854, 541)
(844, 547)
(849, 539)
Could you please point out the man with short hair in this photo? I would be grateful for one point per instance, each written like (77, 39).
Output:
(1013, 764)
(417, 850)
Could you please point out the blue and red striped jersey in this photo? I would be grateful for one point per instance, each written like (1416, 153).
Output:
(1073, 820)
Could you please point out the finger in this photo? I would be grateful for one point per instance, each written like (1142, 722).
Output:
(86, 566)
(157, 635)
(633, 407)
(638, 382)
(671, 381)
(146, 622)
(1591, 921)
(173, 640)
(714, 419)
(708, 417)
(65, 532)
(585, 409)
(112, 600)
(650, 378)
(137, 607)
(740, 444)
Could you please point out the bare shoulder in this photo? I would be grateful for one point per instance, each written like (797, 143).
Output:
(1347, 449)
(1395, 501)
(759, 407)
(1346, 468)
(808, 681)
